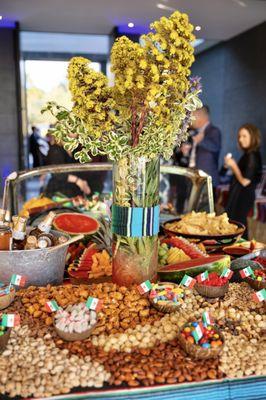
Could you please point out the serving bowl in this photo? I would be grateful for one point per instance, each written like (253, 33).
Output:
(4, 340)
(197, 351)
(255, 284)
(211, 291)
(71, 337)
(168, 307)
(211, 240)
(7, 299)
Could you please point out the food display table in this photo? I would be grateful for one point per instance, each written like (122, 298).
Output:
(150, 342)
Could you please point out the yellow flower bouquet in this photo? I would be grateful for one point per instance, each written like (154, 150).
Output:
(143, 116)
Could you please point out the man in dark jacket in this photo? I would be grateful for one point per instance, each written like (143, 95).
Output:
(34, 147)
(206, 145)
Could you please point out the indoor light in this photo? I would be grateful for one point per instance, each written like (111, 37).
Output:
(131, 25)
(240, 3)
(164, 7)
(197, 28)
(1, 17)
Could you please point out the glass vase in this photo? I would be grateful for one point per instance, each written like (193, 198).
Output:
(136, 194)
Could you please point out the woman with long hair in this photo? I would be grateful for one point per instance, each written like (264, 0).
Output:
(246, 174)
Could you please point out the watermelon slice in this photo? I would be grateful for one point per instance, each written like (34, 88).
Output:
(78, 274)
(189, 248)
(175, 272)
(85, 261)
(75, 223)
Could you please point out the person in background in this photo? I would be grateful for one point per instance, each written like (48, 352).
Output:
(206, 145)
(70, 185)
(34, 147)
(246, 174)
(181, 183)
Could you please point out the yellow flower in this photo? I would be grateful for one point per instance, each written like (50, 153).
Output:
(143, 64)
(152, 75)
(159, 57)
(154, 69)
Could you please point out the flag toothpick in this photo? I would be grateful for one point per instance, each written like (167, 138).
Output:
(188, 281)
(144, 287)
(94, 304)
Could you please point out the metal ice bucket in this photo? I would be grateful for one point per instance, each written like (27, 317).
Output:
(40, 266)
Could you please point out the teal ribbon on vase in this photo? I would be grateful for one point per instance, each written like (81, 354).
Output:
(135, 221)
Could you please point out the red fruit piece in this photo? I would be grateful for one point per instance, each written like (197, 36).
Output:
(189, 248)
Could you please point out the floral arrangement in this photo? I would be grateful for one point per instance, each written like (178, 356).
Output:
(140, 118)
(148, 109)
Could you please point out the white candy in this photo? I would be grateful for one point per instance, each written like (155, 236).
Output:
(77, 318)
(70, 327)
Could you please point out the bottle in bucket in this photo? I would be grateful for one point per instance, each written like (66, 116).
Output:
(19, 234)
(46, 240)
(5, 232)
(44, 226)
(2, 216)
(31, 243)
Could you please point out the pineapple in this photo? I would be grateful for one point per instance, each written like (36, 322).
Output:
(176, 255)
(103, 237)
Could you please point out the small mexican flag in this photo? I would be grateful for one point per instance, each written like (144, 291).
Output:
(51, 306)
(144, 287)
(188, 281)
(227, 273)
(198, 332)
(10, 320)
(207, 319)
(202, 277)
(94, 304)
(246, 272)
(18, 280)
(259, 296)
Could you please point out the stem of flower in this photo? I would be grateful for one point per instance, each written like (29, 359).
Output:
(140, 127)
(133, 126)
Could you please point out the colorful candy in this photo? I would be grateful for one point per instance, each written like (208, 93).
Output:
(260, 275)
(163, 294)
(204, 336)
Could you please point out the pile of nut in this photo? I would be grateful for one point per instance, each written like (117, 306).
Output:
(132, 343)
(242, 356)
(37, 367)
(164, 363)
(141, 337)
(123, 308)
